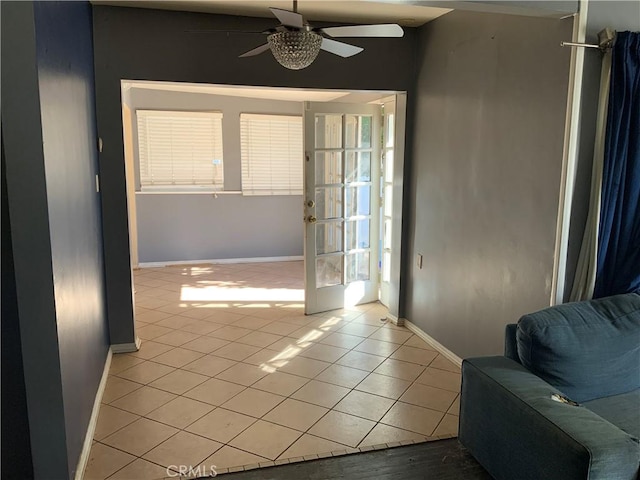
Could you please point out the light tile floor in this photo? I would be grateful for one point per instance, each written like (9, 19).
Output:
(232, 373)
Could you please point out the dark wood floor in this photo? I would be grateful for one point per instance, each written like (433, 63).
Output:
(440, 460)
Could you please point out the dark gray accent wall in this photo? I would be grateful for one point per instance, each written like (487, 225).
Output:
(142, 44)
(28, 210)
(621, 16)
(64, 42)
(485, 175)
(16, 444)
(48, 121)
(174, 227)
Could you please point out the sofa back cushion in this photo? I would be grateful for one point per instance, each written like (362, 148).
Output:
(586, 350)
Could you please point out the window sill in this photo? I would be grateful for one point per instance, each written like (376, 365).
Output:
(195, 192)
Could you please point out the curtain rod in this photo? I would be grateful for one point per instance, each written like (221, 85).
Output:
(585, 45)
(605, 38)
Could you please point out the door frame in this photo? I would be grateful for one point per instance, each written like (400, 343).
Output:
(395, 281)
(387, 151)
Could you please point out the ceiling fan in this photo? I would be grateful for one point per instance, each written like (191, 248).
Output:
(295, 44)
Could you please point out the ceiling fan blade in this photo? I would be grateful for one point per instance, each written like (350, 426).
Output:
(228, 32)
(338, 48)
(386, 30)
(256, 51)
(287, 18)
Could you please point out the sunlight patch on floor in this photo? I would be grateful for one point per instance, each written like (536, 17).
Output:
(281, 359)
(216, 294)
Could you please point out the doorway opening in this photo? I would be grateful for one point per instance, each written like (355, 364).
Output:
(240, 201)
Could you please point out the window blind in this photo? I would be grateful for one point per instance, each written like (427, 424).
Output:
(180, 149)
(271, 154)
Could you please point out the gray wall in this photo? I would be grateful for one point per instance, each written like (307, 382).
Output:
(230, 226)
(141, 44)
(16, 444)
(48, 121)
(621, 16)
(173, 227)
(485, 175)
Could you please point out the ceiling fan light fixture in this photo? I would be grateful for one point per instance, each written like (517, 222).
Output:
(295, 50)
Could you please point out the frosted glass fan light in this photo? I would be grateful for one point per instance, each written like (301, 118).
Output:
(295, 50)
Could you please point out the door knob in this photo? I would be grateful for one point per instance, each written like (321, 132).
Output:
(311, 203)
(311, 219)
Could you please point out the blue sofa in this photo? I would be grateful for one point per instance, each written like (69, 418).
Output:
(564, 400)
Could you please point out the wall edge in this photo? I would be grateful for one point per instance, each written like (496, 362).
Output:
(444, 351)
(93, 421)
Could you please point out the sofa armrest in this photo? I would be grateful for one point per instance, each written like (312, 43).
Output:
(515, 430)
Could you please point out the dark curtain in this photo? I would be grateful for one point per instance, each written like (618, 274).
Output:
(618, 268)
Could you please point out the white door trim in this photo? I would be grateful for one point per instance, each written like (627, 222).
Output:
(569, 157)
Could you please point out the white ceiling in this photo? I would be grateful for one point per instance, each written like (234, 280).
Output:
(270, 93)
(351, 11)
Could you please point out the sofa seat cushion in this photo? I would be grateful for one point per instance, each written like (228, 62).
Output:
(587, 350)
(622, 410)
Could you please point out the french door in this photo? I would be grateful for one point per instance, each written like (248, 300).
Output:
(342, 204)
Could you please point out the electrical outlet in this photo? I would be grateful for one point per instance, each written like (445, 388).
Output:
(419, 260)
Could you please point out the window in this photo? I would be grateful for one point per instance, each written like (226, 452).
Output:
(271, 153)
(180, 151)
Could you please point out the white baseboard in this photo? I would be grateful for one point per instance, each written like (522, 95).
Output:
(444, 351)
(93, 421)
(221, 261)
(126, 347)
